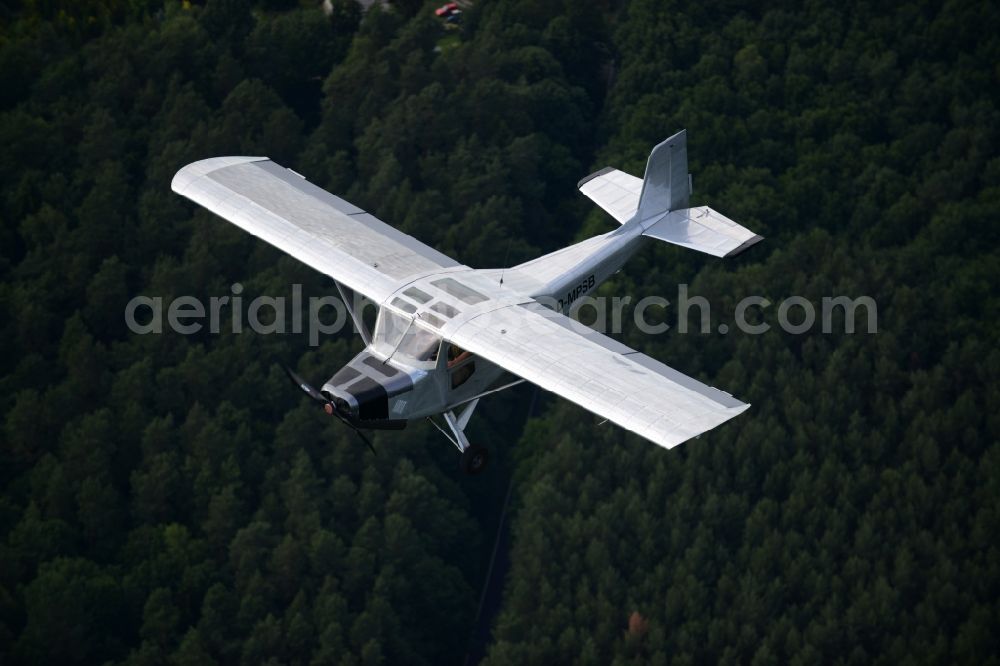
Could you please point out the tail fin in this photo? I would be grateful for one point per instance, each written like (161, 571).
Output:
(667, 184)
(659, 203)
(665, 187)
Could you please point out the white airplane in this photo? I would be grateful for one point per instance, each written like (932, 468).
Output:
(446, 334)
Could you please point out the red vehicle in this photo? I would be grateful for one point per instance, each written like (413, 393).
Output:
(446, 10)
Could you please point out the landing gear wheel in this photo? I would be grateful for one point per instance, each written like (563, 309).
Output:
(474, 459)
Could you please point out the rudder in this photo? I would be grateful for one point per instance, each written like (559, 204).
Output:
(666, 185)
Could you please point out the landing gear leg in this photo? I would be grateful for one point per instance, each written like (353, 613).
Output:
(474, 456)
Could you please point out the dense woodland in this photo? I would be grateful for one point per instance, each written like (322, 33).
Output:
(171, 499)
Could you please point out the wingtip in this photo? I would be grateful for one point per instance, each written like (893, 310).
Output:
(186, 174)
(745, 246)
(599, 172)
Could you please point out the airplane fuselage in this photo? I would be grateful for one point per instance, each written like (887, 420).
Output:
(410, 371)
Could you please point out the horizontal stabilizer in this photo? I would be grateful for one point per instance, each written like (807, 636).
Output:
(615, 191)
(705, 230)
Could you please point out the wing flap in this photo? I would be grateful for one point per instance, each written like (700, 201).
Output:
(600, 374)
(320, 229)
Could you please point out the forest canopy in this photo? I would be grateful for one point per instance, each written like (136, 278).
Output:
(172, 499)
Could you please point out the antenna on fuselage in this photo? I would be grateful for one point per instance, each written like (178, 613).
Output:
(506, 257)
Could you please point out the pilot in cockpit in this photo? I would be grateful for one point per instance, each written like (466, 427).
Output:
(457, 356)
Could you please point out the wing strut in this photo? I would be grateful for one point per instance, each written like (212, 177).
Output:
(355, 311)
(456, 424)
(486, 393)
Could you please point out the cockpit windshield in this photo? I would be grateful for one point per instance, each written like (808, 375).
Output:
(404, 338)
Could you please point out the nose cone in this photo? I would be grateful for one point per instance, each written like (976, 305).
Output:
(365, 386)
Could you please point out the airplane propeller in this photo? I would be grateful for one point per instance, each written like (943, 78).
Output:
(331, 407)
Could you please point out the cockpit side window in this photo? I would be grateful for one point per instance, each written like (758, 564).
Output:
(460, 365)
(456, 355)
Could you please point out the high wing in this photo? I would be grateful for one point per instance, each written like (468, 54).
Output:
(600, 374)
(322, 230)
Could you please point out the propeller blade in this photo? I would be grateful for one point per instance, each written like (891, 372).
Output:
(365, 440)
(350, 424)
(305, 386)
(328, 405)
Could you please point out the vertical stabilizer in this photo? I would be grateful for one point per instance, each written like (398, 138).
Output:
(666, 185)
